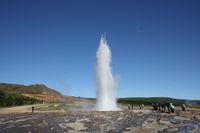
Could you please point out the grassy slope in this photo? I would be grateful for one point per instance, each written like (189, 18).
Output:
(31, 89)
(36, 91)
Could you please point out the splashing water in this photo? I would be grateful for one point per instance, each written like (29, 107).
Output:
(106, 84)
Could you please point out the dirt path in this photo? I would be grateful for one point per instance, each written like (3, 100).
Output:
(16, 109)
(28, 109)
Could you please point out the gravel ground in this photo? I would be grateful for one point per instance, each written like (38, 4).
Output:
(137, 121)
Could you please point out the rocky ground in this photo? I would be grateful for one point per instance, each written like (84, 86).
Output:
(136, 121)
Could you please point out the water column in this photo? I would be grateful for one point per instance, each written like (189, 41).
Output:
(105, 82)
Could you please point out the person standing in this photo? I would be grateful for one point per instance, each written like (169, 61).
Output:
(172, 108)
(32, 109)
(183, 107)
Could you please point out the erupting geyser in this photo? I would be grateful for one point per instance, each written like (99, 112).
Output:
(106, 84)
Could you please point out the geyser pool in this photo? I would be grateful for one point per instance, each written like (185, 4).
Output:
(105, 82)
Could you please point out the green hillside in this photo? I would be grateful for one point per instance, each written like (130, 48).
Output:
(11, 99)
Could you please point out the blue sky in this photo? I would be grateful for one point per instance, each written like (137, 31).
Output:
(155, 45)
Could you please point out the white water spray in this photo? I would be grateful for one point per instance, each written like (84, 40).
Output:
(106, 84)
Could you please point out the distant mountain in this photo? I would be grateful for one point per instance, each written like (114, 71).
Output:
(40, 92)
(150, 100)
(36, 91)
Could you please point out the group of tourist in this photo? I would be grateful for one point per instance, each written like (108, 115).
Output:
(161, 107)
(130, 106)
